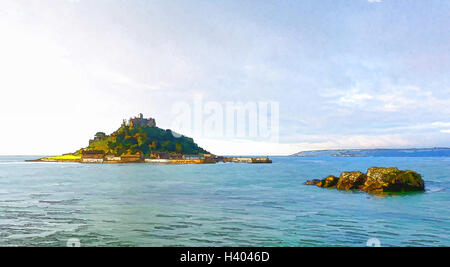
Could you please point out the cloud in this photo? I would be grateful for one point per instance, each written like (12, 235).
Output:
(111, 76)
(354, 98)
(374, 1)
(387, 98)
(247, 147)
(441, 124)
(422, 128)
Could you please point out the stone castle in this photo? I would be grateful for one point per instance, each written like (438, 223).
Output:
(140, 121)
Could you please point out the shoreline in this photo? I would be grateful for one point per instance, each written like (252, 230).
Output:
(159, 161)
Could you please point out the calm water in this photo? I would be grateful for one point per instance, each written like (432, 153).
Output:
(45, 204)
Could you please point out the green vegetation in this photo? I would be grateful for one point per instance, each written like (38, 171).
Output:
(100, 136)
(101, 144)
(129, 139)
(66, 157)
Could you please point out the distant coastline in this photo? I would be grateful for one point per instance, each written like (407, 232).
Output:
(378, 152)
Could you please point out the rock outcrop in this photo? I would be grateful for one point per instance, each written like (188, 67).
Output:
(329, 182)
(376, 180)
(351, 180)
(392, 180)
(313, 182)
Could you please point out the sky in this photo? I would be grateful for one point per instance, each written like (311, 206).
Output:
(345, 73)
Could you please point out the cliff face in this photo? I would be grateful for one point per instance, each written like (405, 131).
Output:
(376, 180)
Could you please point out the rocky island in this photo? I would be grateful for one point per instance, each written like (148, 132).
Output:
(139, 140)
(376, 180)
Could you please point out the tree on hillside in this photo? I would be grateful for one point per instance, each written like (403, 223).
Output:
(178, 148)
(147, 140)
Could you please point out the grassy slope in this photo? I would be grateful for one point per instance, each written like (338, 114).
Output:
(101, 144)
(65, 157)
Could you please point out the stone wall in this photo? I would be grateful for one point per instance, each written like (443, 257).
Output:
(88, 160)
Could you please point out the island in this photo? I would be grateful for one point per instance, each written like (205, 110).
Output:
(139, 140)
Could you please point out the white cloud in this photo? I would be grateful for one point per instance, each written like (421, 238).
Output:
(374, 1)
(354, 98)
(246, 147)
(110, 76)
(387, 98)
(423, 127)
(441, 124)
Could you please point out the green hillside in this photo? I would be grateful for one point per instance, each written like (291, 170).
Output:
(145, 139)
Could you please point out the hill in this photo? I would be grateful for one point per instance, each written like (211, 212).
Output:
(422, 152)
(139, 135)
(130, 139)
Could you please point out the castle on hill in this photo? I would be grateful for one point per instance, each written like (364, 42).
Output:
(140, 121)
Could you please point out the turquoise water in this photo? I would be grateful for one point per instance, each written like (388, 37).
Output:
(45, 204)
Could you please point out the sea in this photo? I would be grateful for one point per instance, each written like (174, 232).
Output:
(226, 204)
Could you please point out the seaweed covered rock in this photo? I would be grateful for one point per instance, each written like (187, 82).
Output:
(329, 182)
(376, 180)
(392, 180)
(351, 180)
(313, 182)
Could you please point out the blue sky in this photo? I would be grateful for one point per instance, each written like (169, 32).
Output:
(346, 73)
